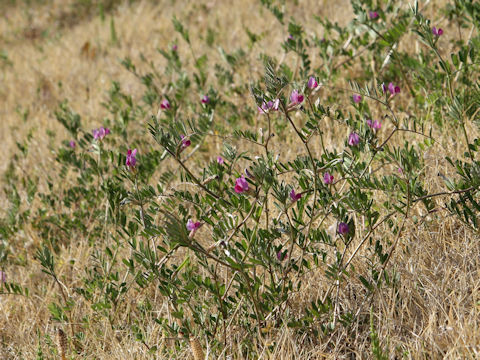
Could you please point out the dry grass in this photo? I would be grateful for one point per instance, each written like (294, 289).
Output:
(434, 311)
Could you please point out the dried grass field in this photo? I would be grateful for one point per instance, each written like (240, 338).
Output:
(56, 50)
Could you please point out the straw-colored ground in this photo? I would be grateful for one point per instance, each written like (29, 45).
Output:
(437, 308)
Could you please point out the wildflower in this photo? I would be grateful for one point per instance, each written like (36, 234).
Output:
(281, 255)
(220, 160)
(393, 89)
(437, 32)
(165, 104)
(174, 47)
(241, 185)
(295, 97)
(353, 139)
(3, 277)
(327, 178)
(72, 144)
(356, 98)
(373, 15)
(290, 37)
(249, 174)
(131, 160)
(193, 227)
(312, 83)
(374, 124)
(271, 105)
(100, 133)
(185, 142)
(294, 196)
(343, 228)
(205, 99)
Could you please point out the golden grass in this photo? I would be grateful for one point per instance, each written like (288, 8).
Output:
(436, 309)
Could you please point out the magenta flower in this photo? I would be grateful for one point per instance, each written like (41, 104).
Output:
(281, 255)
(290, 37)
(343, 228)
(353, 139)
(205, 99)
(392, 89)
(174, 47)
(356, 98)
(437, 32)
(373, 15)
(193, 227)
(241, 185)
(328, 178)
(3, 277)
(312, 83)
(72, 144)
(165, 104)
(295, 97)
(100, 133)
(294, 196)
(220, 160)
(374, 125)
(185, 142)
(131, 160)
(271, 105)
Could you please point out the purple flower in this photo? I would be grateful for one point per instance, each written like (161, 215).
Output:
(374, 125)
(193, 227)
(3, 277)
(185, 142)
(241, 185)
(353, 139)
(281, 255)
(290, 37)
(165, 104)
(205, 99)
(174, 47)
(343, 228)
(437, 32)
(271, 105)
(220, 160)
(356, 98)
(312, 83)
(373, 15)
(327, 178)
(295, 97)
(100, 133)
(294, 196)
(393, 89)
(249, 174)
(131, 158)
(72, 144)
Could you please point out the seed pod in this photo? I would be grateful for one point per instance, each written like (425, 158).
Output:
(196, 348)
(62, 343)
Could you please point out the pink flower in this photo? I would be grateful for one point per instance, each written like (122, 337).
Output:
(327, 178)
(165, 104)
(374, 125)
(373, 15)
(100, 133)
(3, 277)
(353, 139)
(271, 105)
(185, 142)
(294, 196)
(295, 97)
(312, 83)
(174, 47)
(220, 160)
(193, 227)
(437, 32)
(131, 160)
(393, 89)
(205, 99)
(241, 185)
(72, 144)
(356, 98)
(290, 37)
(343, 228)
